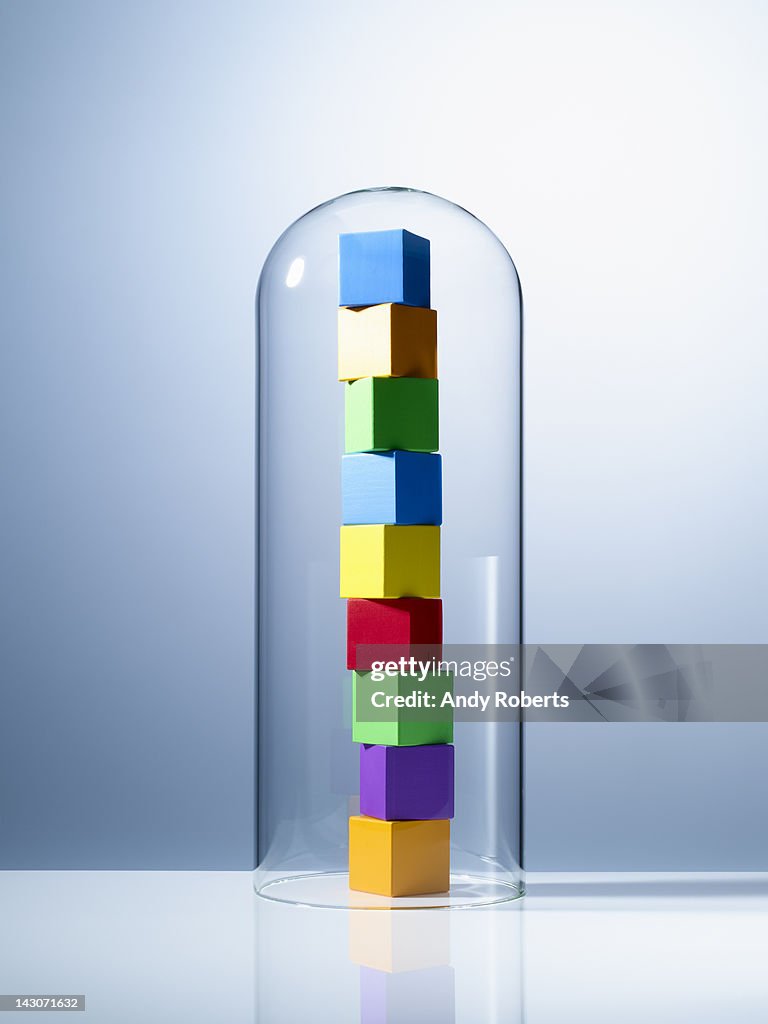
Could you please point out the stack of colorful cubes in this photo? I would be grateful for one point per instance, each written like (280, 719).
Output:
(390, 558)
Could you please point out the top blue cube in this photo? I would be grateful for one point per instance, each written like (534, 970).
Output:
(383, 266)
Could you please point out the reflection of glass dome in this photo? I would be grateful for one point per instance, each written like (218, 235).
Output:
(307, 761)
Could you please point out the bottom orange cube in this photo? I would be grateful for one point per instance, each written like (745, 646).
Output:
(399, 858)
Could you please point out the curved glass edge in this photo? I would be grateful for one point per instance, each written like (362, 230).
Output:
(378, 190)
(329, 890)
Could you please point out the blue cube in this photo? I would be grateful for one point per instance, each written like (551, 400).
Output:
(394, 488)
(383, 266)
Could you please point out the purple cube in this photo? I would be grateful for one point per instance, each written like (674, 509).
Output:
(406, 783)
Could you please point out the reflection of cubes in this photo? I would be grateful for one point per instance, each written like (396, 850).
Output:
(399, 858)
(396, 625)
(382, 413)
(394, 726)
(399, 942)
(427, 996)
(387, 341)
(383, 266)
(400, 488)
(406, 783)
(390, 561)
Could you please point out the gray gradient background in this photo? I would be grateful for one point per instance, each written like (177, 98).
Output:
(151, 154)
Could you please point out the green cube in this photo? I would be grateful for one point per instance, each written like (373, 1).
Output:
(391, 726)
(383, 413)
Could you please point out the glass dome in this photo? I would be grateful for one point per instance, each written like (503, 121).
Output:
(308, 764)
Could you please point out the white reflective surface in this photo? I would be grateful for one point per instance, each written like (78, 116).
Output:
(197, 947)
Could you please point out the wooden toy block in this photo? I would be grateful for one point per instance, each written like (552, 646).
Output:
(383, 266)
(397, 488)
(394, 626)
(427, 996)
(377, 720)
(387, 341)
(406, 783)
(398, 943)
(399, 858)
(382, 413)
(390, 561)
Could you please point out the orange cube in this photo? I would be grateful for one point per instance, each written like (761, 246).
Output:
(388, 340)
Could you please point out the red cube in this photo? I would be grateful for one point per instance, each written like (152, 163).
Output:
(400, 623)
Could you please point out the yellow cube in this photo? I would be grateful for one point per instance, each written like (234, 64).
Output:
(399, 858)
(387, 341)
(390, 561)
